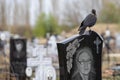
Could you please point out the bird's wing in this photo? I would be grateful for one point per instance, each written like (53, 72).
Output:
(84, 21)
(93, 21)
(90, 20)
(87, 17)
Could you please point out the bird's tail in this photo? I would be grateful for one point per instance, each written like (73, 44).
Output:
(81, 30)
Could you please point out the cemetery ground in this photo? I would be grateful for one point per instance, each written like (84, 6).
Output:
(107, 72)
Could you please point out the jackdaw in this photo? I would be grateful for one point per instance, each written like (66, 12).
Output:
(89, 21)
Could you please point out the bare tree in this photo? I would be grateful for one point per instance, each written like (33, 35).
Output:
(9, 14)
(3, 14)
(27, 18)
(72, 12)
(15, 10)
(28, 13)
(21, 16)
(41, 5)
(55, 6)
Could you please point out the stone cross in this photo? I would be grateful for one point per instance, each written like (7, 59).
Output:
(97, 42)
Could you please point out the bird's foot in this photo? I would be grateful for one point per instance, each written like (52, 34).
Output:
(90, 31)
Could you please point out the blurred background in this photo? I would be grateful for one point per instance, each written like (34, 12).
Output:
(46, 22)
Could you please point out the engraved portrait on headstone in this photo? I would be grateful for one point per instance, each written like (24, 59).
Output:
(18, 53)
(18, 45)
(83, 65)
(80, 57)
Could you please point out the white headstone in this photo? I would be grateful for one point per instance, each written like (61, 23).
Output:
(33, 62)
(43, 66)
(52, 46)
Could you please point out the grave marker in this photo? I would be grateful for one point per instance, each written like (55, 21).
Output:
(18, 58)
(80, 57)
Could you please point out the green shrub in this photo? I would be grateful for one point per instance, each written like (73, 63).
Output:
(46, 24)
(110, 13)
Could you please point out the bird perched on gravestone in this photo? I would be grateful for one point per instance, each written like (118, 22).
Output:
(89, 21)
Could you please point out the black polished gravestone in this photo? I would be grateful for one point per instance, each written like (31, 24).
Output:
(80, 57)
(18, 60)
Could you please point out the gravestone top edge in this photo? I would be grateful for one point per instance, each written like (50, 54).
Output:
(18, 38)
(77, 35)
(68, 39)
(99, 35)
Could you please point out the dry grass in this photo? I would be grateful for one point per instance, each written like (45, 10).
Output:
(102, 27)
(99, 28)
